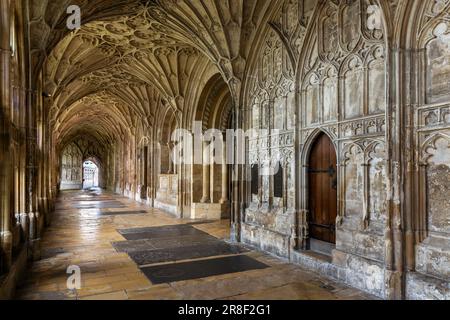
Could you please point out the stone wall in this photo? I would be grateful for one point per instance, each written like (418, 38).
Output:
(371, 75)
(431, 279)
(342, 92)
(344, 78)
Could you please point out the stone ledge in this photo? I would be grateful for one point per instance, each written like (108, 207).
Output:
(167, 207)
(318, 263)
(423, 287)
(208, 211)
(266, 240)
(352, 270)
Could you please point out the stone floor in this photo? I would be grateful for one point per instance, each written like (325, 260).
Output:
(88, 230)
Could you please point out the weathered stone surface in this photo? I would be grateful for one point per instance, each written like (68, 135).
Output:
(265, 239)
(134, 91)
(421, 287)
(433, 258)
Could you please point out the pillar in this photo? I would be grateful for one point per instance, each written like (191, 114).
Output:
(394, 244)
(6, 237)
(224, 198)
(32, 192)
(171, 169)
(206, 174)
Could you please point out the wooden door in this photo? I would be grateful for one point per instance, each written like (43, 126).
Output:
(323, 190)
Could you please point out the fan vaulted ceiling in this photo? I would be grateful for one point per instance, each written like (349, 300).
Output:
(132, 58)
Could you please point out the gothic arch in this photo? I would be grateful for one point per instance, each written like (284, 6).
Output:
(308, 144)
(311, 171)
(214, 105)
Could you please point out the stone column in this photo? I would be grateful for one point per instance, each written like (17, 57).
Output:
(224, 198)
(45, 172)
(6, 235)
(206, 174)
(270, 165)
(35, 218)
(5, 199)
(394, 244)
(23, 171)
(238, 202)
(22, 168)
(171, 169)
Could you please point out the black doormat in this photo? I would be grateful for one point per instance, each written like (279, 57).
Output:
(182, 241)
(96, 201)
(185, 253)
(100, 205)
(163, 243)
(201, 269)
(118, 213)
(92, 199)
(132, 246)
(161, 232)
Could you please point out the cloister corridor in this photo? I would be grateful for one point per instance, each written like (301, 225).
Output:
(225, 149)
(90, 238)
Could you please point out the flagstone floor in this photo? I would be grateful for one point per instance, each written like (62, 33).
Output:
(87, 231)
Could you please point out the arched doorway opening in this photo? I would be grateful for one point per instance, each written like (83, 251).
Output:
(322, 191)
(212, 184)
(71, 168)
(165, 173)
(90, 175)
